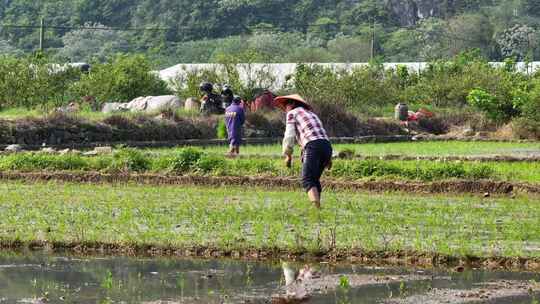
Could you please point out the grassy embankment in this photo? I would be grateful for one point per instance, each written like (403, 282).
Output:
(189, 161)
(243, 219)
(439, 148)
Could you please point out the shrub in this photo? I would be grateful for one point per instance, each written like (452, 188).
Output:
(121, 79)
(41, 161)
(480, 172)
(186, 160)
(447, 170)
(495, 108)
(209, 163)
(128, 160)
(34, 82)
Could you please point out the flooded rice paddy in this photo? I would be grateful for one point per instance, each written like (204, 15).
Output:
(42, 278)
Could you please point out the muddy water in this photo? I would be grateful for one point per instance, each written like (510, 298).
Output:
(36, 278)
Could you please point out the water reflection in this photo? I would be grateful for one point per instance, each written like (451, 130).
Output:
(65, 279)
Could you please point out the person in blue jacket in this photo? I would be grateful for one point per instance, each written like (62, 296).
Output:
(235, 118)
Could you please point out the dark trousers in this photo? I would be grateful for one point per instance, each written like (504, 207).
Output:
(315, 156)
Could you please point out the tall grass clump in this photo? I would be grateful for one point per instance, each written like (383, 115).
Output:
(185, 161)
(127, 160)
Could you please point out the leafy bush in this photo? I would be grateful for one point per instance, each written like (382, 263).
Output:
(121, 79)
(129, 160)
(34, 82)
(495, 108)
(209, 163)
(186, 160)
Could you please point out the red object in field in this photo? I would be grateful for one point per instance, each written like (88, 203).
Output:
(412, 116)
(422, 113)
(263, 101)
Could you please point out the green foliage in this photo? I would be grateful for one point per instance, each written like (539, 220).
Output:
(129, 160)
(422, 171)
(193, 161)
(446, 28)
(34, 82)
(209, 163)
(221, 130)
(121, 79)
(344, 283)
(186, 160)
(495, 108)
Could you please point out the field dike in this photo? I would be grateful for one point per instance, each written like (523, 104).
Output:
(451, 186)
(395, 258)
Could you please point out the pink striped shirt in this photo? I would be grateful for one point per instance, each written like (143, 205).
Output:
(307, 125)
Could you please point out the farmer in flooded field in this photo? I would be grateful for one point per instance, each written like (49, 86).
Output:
(234, 120)
(305, 126)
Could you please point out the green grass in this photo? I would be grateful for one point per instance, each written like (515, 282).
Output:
(442, 148)
(192, 161)
(239, 218)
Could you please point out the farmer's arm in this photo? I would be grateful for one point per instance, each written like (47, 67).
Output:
(290, 136)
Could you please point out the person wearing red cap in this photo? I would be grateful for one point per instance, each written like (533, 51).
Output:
(305, 126)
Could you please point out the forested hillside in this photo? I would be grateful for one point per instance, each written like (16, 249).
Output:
(172, 31)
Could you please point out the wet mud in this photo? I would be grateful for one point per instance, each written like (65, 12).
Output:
(490, 292)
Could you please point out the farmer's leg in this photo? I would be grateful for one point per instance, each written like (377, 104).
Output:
(325, 152)
(311, 174)
(315, 197)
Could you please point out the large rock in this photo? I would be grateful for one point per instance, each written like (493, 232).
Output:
(409, 12)
(14, 148)
(155, 104)
(192, 104)
(112, 107)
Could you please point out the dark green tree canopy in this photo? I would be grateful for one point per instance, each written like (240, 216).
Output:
(404, 29)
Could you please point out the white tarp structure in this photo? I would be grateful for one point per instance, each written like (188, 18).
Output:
(280, 72)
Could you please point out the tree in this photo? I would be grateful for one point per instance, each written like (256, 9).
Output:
(7, 49)
(403, 46)
(350, 49)
(518, 41)
(88, 44)
(470, 31)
